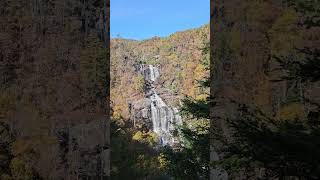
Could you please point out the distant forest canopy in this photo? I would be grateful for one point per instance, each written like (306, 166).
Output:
(264, 93)
(183, 62)
(263, 106)
(178, 56)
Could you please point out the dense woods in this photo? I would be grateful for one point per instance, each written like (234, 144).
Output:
(265, 89)
(178, 57)
(246, 86)
(264, 103)
(183, 62)
(54, 84)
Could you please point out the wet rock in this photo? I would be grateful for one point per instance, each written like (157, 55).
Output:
(153, 112)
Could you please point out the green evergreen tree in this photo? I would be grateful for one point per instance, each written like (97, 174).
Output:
(191, 161)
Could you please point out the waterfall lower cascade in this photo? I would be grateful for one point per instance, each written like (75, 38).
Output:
(163, 117)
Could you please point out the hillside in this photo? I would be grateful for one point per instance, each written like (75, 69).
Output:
(177, 57)
(52, 107)
(150, 80)
(265, 82)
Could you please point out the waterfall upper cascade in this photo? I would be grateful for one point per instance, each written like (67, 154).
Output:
(163, 117)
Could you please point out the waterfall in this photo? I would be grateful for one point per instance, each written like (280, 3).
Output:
(151, 73)
(163, 117)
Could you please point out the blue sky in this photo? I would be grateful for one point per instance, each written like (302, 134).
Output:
(143, 19)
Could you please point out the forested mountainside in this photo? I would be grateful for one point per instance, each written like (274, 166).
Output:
(150, 82)
(54, 84)
(265, 89)
(178, 58)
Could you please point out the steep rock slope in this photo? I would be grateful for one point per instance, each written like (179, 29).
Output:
(177, 58)
(152, 110)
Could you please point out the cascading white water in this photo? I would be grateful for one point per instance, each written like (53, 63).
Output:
(163, 117)
(150, 72)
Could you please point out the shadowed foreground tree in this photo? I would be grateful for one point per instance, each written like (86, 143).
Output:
(133, 156)
(284, 148)
(269, 128)
(54, 86)
(191, 161)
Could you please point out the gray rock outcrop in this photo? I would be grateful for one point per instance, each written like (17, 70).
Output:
(152, 112)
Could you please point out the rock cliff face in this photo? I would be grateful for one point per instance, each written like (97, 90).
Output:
(176, 57)
(153, 111)
(149, 78)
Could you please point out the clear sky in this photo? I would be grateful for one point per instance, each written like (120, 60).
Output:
(143, 19)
